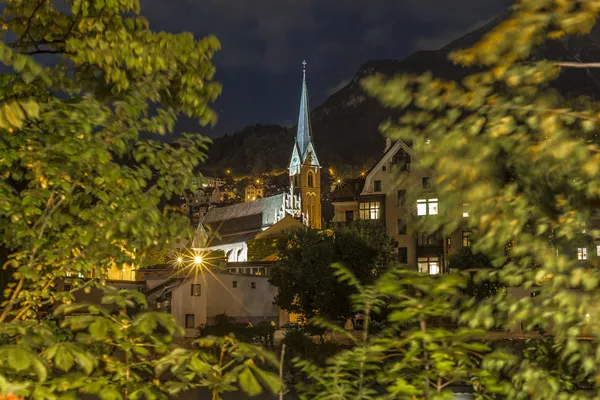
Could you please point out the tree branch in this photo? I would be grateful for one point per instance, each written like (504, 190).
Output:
(35, 10)
(567, 64)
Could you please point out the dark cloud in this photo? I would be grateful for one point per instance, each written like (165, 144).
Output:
(264, 42)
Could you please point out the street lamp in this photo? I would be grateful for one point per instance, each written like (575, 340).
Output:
(198, 260)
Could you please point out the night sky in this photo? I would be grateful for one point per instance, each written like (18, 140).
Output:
(264, 43)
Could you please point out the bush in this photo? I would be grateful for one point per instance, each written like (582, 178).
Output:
(262, 334)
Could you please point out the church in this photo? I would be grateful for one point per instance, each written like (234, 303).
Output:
(234, 228)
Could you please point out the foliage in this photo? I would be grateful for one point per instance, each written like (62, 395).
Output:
(478, 267)
(80, 192)
(81, 195)
(116, 356)
(259, 249)
(527, 163)
(413, 357)
(306, 285)
(262, 334)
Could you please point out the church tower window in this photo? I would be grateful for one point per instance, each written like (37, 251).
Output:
(311, 179)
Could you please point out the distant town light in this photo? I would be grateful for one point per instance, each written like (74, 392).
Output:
(257, 181)
(179, 260)
(228, 171)
(339, 181)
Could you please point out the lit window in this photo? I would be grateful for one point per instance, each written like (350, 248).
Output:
(427, 207)
(466, 238)
(433, 206)
(598, 250)
(582, 253)
(370, 210)
(429, 265)
(465, 214)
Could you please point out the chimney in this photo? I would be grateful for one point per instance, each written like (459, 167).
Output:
(388, 144)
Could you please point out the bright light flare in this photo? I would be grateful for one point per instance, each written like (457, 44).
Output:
(179, 260)
(198, 260)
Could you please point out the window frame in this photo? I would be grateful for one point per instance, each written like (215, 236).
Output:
(193, 321)
(193, 292)
(428, 206)
(582, 254)
(426, 182)
(429, 262)
(368, 209)
(377, 186)
(467, 238)
(400, 198)
(404, 259)
(401, 223)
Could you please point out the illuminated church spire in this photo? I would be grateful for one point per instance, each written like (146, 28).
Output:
(304, 133)
(305, 171)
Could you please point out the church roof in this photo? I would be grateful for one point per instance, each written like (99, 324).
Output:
(245, 216)
(231, 239)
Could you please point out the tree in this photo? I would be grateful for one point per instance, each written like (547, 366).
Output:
(479, 268)
(82, 194)
(527, 162)
(306, 283)
(412, 357)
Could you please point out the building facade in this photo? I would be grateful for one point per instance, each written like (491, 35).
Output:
(383, 197)
(253, 192)
(240, 290)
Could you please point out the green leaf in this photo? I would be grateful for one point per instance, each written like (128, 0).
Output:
(249, 383)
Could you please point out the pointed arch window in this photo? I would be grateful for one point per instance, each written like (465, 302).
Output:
(311, 179)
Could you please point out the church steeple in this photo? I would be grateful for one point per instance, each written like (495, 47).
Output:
(305, 171)
(304, 132)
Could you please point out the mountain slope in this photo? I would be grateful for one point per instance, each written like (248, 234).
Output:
(346, 125)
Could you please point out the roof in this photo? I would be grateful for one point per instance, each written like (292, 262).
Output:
(367, 188)
(231, 239)
(165, 286)
(247, 216)
(304, 144)
(348, 190)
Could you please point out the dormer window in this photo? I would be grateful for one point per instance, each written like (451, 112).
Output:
(426, 182)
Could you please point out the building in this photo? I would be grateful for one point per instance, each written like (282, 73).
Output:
(240, 290)
(211, 182)
(253, 192)
(230, 228)
(382, 197)
(304, 169)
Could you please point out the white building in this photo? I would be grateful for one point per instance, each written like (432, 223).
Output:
(246, 296)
